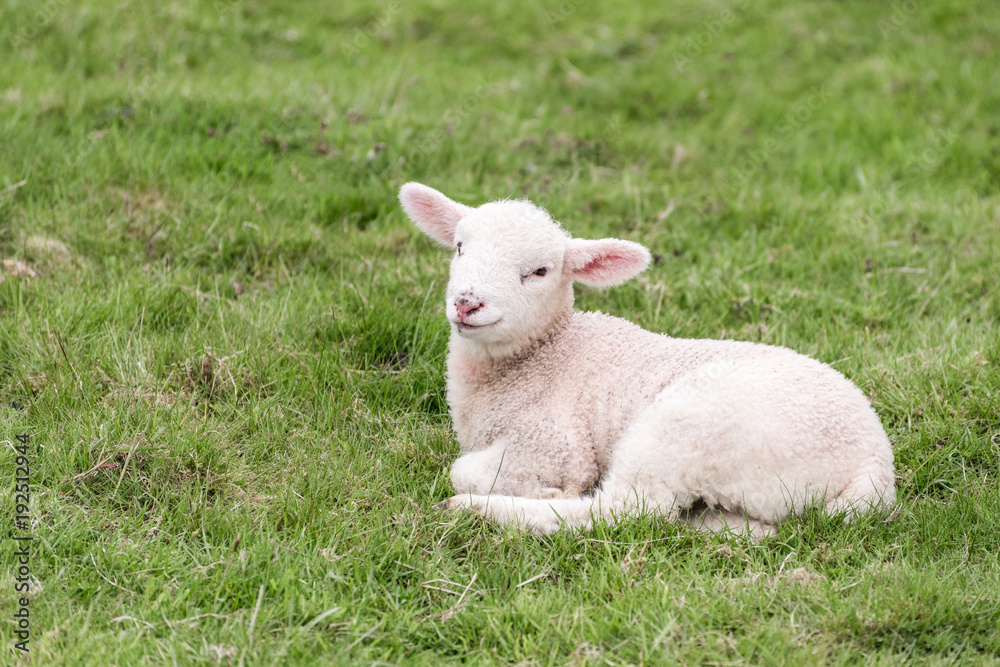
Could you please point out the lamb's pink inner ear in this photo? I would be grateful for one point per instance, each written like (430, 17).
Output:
(605, 262)
(436, 215)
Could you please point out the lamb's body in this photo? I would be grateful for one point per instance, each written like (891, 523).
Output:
(739, 426)
(589, 415)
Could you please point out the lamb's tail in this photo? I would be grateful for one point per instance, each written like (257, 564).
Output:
(873, 487)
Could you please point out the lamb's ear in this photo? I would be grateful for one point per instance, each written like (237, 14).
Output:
(605, 262)
(435, 215)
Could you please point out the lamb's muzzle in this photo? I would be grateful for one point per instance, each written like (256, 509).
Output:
(548, 402)
(466, 305)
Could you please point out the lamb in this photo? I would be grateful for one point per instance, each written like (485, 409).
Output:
(566, 416)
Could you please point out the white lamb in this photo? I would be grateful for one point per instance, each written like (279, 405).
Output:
(565, 416)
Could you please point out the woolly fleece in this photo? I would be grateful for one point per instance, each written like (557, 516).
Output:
(564, 416)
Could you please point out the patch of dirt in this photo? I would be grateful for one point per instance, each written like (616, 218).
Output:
(137, 473)
(48, 251)
(136, 203)
(15, 268)
(212, 376)
(144, 211)
(136, 396)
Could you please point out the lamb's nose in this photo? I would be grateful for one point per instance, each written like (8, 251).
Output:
(466, 306)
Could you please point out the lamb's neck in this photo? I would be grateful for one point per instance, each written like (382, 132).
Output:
(471, 363)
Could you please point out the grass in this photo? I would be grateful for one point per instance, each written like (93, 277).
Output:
(230, 361)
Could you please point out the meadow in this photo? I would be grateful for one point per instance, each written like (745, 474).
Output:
(225, 343)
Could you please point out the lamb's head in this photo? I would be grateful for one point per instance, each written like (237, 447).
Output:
(513, 267)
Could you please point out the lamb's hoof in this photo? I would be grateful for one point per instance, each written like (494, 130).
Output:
(453, 503)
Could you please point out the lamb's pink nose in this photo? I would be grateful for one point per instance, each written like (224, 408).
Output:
(466, 307)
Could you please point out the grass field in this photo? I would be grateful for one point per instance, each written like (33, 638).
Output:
(226, 342)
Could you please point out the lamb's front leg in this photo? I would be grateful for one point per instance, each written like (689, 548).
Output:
(488, 471)
(544, 516)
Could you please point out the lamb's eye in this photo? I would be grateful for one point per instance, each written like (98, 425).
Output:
(458, 247)
(541, 272)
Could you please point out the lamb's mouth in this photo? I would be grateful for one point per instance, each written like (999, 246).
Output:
(465, 327)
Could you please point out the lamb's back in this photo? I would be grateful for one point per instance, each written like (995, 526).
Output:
(606, 370)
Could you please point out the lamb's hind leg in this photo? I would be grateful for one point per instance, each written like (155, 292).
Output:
(714, 520)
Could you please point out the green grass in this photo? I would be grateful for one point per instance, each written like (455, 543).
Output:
(231, 361)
